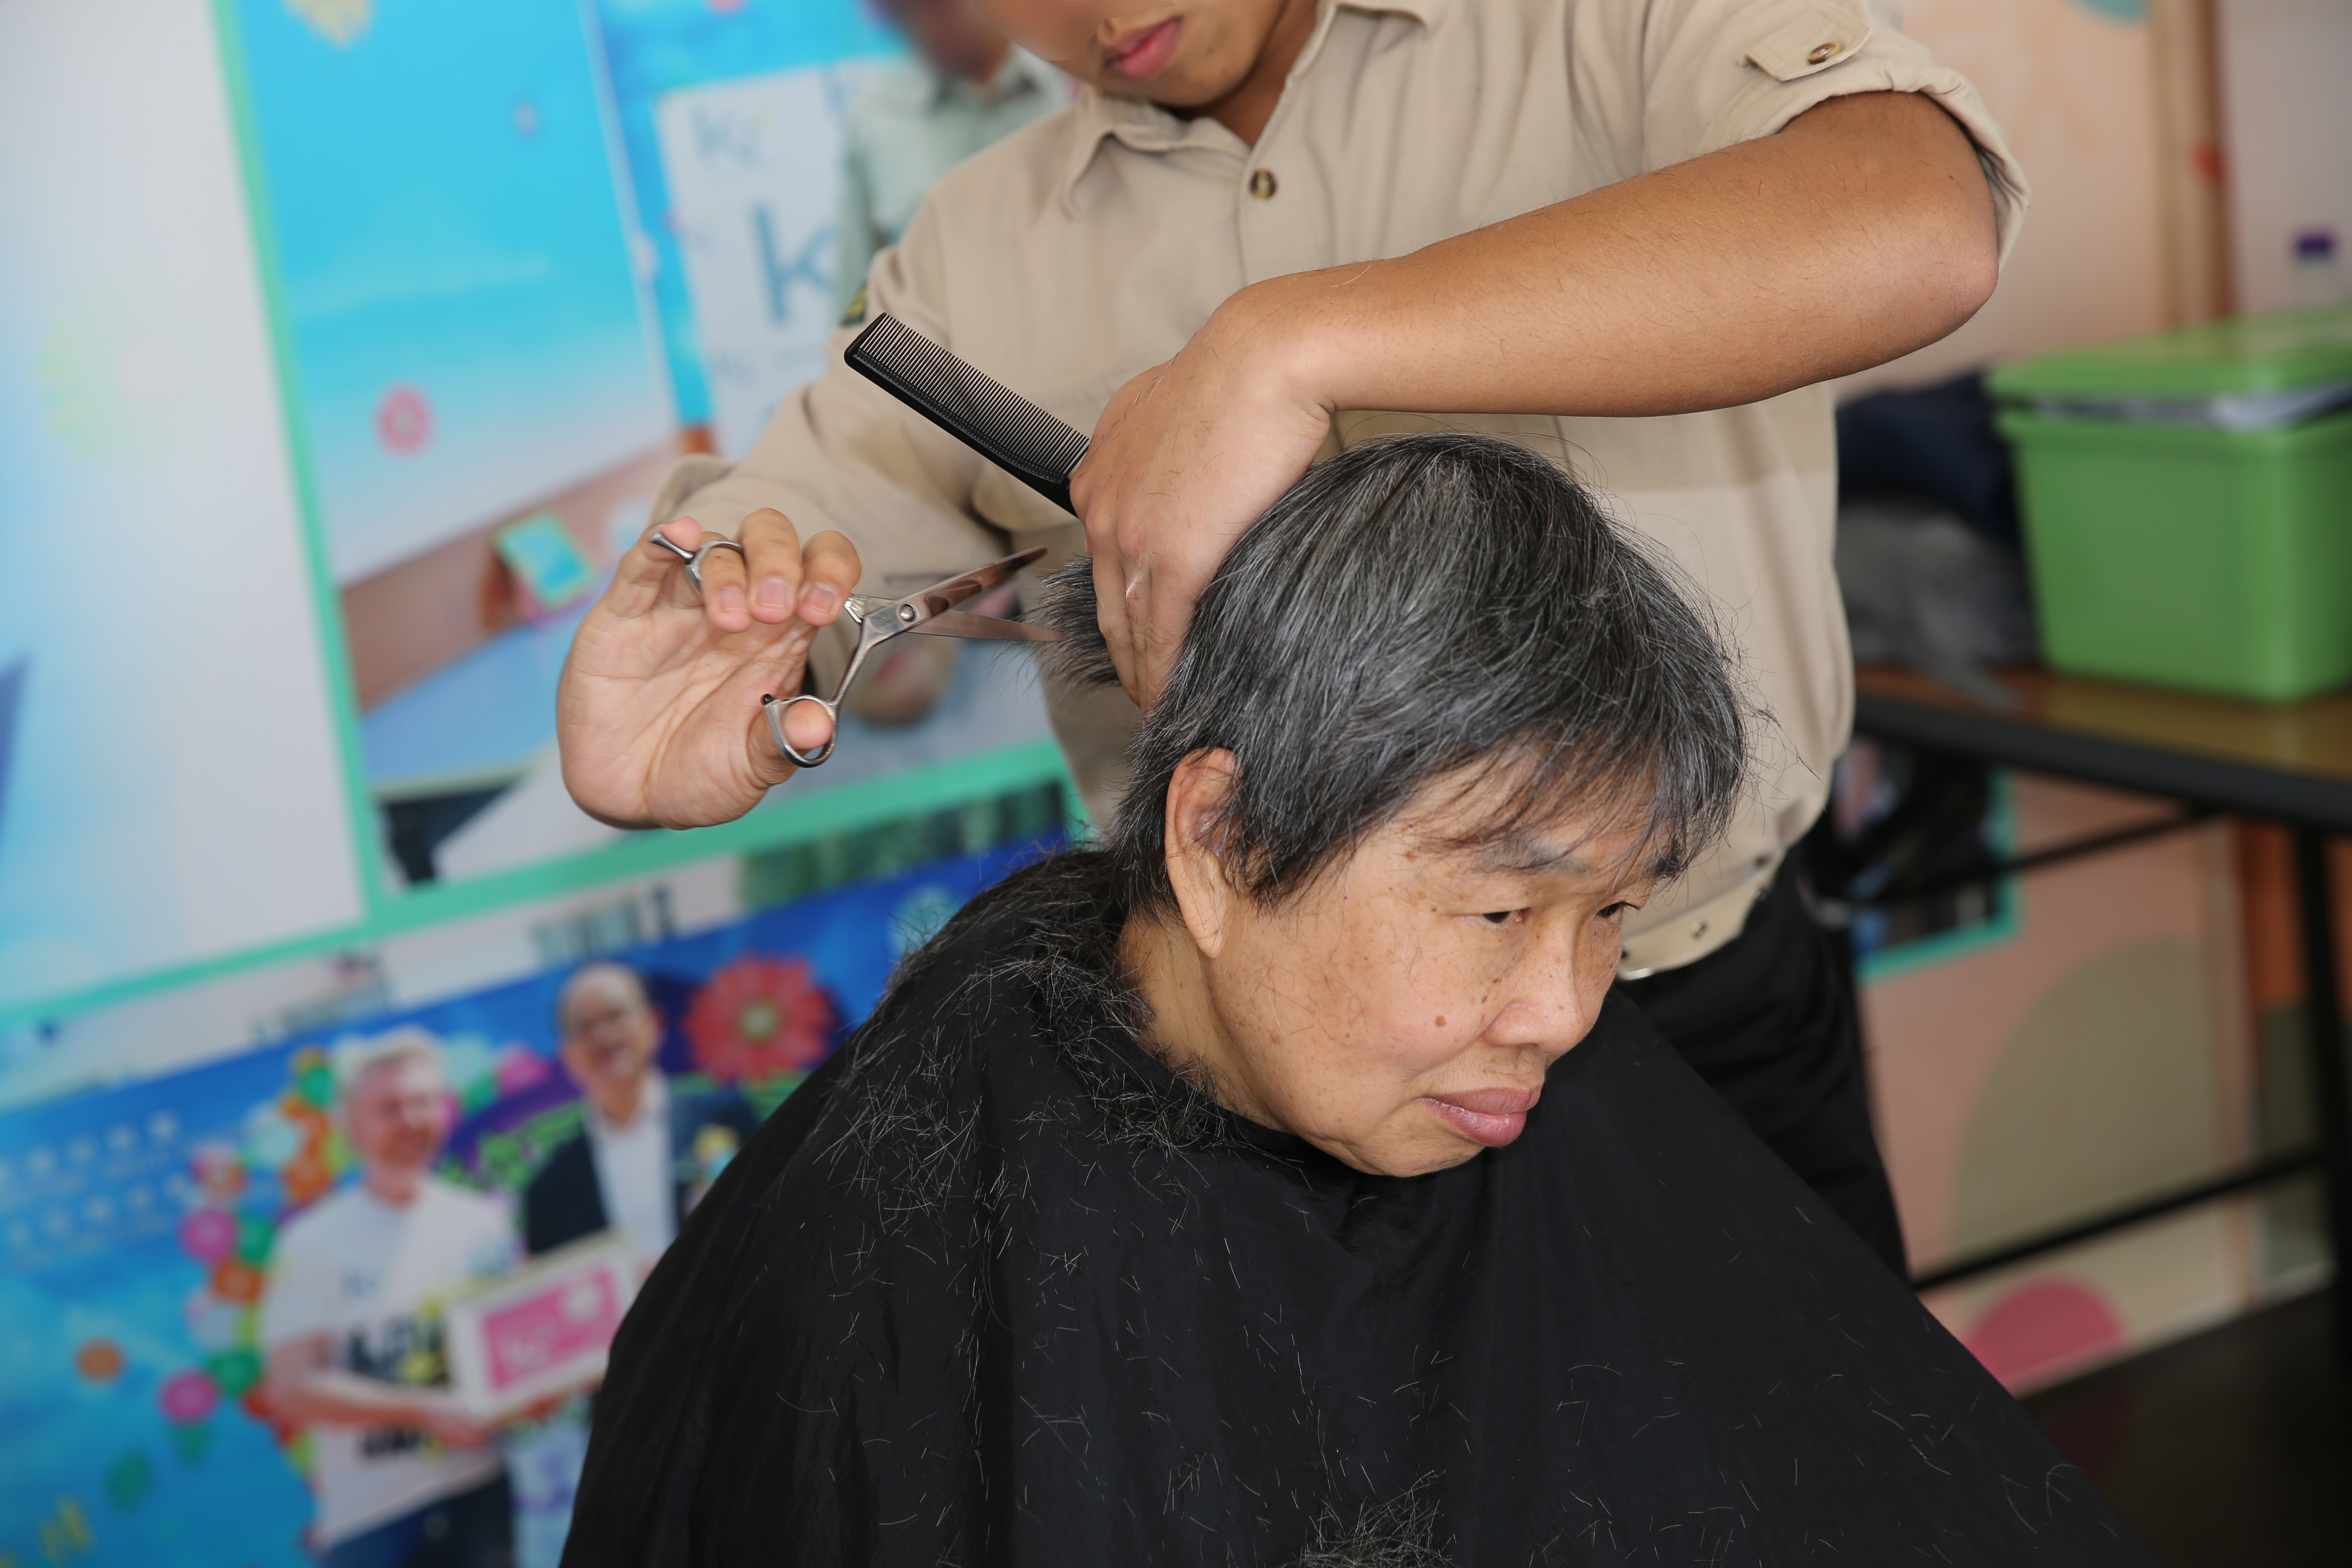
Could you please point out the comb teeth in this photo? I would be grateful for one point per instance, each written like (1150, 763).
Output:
(994, 421)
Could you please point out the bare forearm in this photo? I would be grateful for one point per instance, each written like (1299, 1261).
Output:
(1862, 231)
(344, 1398)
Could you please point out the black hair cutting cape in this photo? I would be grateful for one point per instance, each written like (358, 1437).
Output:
(995, 1287)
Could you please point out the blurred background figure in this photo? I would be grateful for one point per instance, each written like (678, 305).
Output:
(400, 1475)
(647, 1153)
(966, 87)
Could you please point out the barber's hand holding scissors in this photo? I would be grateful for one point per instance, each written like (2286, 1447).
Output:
(658, 716)
(1185, 457)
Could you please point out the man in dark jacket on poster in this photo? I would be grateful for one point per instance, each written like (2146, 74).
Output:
(647, 1153)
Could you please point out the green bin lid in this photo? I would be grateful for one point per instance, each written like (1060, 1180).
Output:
(2276, 353)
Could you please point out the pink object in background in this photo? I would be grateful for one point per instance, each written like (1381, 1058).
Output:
(219, 1173)
(189, 1396)
(404, 421)
(2039, 1329)
(209, 1235)
(570, 1316)
(518, 1067)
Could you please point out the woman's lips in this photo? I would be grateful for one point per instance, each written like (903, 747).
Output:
(1147, 54)
(1490, 1116)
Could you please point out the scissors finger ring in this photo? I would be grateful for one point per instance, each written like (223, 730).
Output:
(774, 706)
(693, 558)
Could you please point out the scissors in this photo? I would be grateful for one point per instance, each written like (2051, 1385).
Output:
(928, 612)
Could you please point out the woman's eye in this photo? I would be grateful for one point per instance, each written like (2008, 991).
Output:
(1499, 917)
(1613, 911)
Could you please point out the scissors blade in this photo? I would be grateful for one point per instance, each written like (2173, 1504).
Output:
(964, 623)
(941, 597)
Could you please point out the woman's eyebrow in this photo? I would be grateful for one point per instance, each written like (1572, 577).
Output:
(1530, 852)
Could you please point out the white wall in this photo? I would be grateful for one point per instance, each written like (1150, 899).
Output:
(2073, 87)
(2286, 108)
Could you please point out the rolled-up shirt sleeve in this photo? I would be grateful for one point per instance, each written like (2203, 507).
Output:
(1712, 73)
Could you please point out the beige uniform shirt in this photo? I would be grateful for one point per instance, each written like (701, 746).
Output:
(1090, 246)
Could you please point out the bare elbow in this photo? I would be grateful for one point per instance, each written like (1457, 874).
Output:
(281, 1397)
(285, 1390)
(1944, 271)
(1968, 268)
(1959, 259)
(1930, 207)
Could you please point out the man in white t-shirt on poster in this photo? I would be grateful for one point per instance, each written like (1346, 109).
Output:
(403, 1477)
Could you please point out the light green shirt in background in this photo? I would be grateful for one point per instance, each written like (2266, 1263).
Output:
(907, 127)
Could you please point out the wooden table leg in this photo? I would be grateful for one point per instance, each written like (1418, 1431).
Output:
(2323, 1013)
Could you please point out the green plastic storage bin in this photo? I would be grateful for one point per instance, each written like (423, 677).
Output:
(2183, 555)
(2215, 560)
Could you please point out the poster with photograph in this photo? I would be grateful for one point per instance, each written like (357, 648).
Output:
(521, 262)
(161, 1239)
(476, 396)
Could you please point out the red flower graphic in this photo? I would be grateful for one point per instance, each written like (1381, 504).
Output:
(759, 1017)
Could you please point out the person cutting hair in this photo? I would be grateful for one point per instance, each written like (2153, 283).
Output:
(1282, 1181)
(1637, 234)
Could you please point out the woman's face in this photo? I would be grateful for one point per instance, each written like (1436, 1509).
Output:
(1401, 1014)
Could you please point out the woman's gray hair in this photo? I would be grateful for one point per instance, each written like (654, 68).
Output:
(1415, 611)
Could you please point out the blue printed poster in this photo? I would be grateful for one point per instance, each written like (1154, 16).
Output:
(137, 1224)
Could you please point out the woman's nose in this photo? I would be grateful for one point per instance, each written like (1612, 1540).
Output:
(1555, 994)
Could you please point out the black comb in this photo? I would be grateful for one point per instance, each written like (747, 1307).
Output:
(994, 421)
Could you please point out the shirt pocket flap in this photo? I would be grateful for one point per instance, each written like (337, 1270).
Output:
(1814, 38)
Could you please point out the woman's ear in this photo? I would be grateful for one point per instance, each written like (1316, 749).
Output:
(1198, 794)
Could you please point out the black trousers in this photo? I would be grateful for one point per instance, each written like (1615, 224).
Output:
(1768, 1022)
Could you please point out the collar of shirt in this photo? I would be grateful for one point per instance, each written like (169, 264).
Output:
(652, 1110)
(1146, 127)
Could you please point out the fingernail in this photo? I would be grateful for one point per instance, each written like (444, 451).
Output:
(819, 598)
(728, 600)
(773, 594)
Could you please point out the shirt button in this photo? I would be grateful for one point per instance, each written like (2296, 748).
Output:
(1823, 52)
(1260, 184)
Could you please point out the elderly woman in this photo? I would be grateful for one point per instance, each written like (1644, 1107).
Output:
(1281, 1182)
